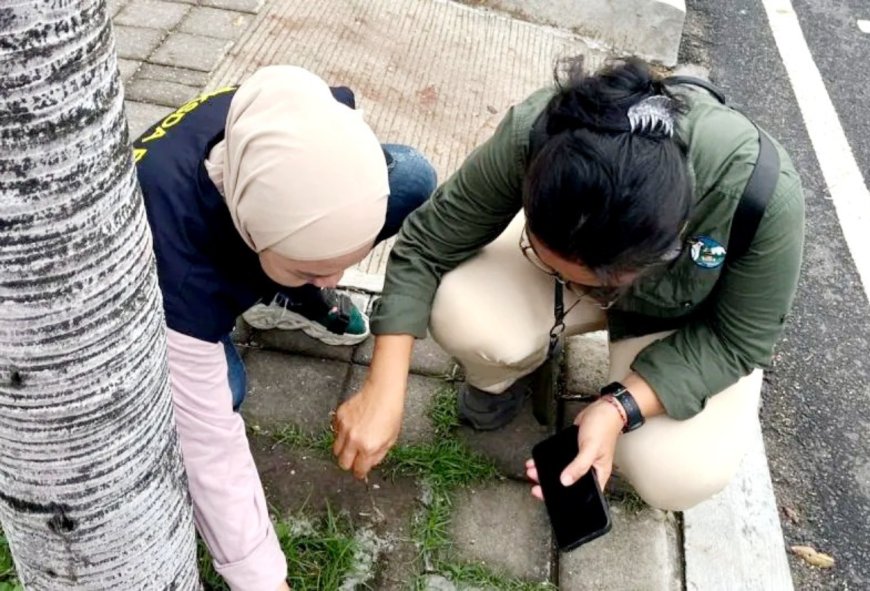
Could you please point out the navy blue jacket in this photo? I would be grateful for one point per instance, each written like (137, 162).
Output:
(207, 274)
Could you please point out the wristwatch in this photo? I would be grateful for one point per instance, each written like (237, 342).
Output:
(628, 403)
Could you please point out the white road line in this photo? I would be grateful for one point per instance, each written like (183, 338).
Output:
(864, 26)
(846, 184)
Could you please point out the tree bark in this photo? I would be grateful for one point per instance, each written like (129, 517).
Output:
(92, 487)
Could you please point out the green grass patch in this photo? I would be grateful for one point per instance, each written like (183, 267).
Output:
(431, 528)
(320, 554)
(8, 579)
(441, 466)
(476, 575)
(444, 463)
(293, 436)
(443, 412)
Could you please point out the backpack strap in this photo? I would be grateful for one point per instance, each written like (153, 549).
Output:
(700, 82)
(756, 195)
(760, 186)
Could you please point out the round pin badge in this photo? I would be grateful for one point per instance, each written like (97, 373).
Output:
(707, 253)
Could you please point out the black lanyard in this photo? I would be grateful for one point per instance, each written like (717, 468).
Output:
(558, 315)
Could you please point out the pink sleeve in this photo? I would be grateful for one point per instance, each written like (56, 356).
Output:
(228, 501)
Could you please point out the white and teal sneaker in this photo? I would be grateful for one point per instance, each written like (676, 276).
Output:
(322, 314)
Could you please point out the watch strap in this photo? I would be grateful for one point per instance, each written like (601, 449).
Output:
(628, 403)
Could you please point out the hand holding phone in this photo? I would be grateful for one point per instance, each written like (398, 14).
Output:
(578, 513)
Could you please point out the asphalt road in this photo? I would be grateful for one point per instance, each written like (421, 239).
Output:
(816, 404)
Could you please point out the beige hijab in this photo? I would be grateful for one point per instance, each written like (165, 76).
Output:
(302, 174)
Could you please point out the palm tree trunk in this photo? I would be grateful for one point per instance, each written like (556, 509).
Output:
(92, 488)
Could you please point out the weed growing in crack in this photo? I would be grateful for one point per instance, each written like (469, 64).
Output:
(322, 554)
(441, 465)
(293, 436)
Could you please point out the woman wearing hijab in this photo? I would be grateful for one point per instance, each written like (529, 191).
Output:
(263, 195)
(619, 191)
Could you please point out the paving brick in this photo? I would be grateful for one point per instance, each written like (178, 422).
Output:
(428, 358)
(285, 389)
(213, 22)
(437, 583)
(128, 68)
(115, 6)
(298, 343)
(647, 539)
(152, 14)
(170, 74)
(169, 94)
(505, 528)
(135, 43)
(298, 481)
(587, 361)
(509, 447)
(416, 425)
(141, 116)
(252, 6)
(190, 51)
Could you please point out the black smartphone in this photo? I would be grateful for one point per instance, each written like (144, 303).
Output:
(578, 513)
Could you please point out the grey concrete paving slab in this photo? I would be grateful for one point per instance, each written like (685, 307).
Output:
(745, 515)
(299, 482)
(416, 426)
(251, 6)
(141, 116)
(289, 390)
(509, 447)
(214, 22)
(640, 553)
(299, 343)
(127, 68)
(159, 92)
(428, 357)
(587, 362)
(194, 52)
(438, 583)
(504, 527)
(648, 28)
(136, 43)
(115, 6)
(436, 75)
(152, 14)
(170, 74)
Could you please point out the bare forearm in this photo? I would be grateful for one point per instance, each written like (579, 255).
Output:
(391, 361)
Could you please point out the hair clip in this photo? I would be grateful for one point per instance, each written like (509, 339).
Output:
(652, 114)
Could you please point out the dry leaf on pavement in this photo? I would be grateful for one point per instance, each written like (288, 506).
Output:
(813, 557)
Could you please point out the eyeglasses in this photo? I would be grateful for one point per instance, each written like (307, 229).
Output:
(604, 297)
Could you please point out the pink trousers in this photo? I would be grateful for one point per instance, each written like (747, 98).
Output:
(228, 501)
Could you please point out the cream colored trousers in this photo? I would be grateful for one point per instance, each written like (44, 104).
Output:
(494, 312)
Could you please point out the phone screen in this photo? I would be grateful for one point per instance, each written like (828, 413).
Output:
(578, 513)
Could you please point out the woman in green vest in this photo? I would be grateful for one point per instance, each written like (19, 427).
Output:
(620, 191)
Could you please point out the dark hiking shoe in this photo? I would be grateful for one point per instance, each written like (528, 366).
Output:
(487, 412)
